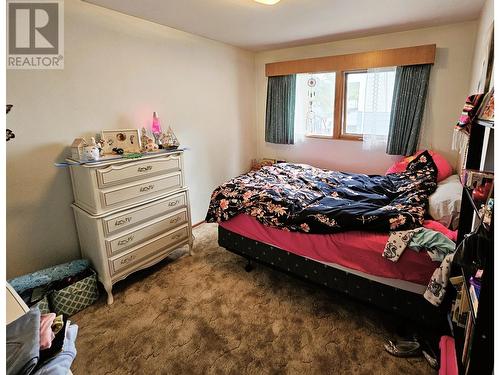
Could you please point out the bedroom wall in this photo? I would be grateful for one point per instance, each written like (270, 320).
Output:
(485, 23)
(448, 87)
(118, 70)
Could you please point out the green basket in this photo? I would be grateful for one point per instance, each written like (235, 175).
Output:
(75, 297)
(43, 305)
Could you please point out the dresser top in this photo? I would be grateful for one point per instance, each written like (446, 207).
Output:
(115, 159)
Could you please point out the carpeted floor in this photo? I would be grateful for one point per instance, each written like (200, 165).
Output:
(205, 315)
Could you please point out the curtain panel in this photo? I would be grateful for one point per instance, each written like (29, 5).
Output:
(280, 109)
(408, 103)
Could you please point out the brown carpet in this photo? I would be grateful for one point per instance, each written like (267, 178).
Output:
(206, 315)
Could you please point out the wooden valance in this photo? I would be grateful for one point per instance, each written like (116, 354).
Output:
(355, 61)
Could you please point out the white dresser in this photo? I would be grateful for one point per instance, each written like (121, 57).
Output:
(131, 213)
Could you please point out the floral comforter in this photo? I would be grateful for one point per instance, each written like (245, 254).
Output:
(298, 197)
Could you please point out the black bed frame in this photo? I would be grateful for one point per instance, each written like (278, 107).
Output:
(401, 302)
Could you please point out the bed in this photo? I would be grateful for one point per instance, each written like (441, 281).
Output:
(331, 232)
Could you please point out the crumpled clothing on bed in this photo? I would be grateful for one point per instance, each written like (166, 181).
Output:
(440, 249)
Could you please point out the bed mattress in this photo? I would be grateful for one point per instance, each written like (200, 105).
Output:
(355, 251)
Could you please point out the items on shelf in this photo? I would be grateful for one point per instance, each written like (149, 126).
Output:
(475, 290)
(472, 178)
(465, 308)
(460, 307)
(487, 110)
(486, 211)
(480, 193)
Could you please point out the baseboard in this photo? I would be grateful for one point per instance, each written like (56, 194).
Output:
(199, 223)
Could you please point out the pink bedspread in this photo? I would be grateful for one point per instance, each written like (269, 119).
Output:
(356, 250)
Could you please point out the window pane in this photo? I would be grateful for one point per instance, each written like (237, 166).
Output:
(314, 103)
(368, 101)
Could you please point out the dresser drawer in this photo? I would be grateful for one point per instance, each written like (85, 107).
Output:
(135, 216)
(140, 191)
(132, 171)
(150, 249)
(149, 230)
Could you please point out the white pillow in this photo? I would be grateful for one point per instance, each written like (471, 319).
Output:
(444, 203)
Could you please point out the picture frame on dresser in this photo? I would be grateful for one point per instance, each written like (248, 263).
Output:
(127, 139)
(131, 213)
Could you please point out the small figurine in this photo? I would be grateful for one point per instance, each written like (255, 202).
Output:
(118, 151)
(77, 148)
(91, 153)
(150, 146)
(169, 140)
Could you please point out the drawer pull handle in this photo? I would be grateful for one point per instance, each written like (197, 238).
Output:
(146, 188)
(125, 241)
(145, 169)
(123, 221)
(177, 236)
(175, 220)
(174, 203)
(127, 259)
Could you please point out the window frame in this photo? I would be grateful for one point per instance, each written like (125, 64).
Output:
(343, 133)
(339, 107)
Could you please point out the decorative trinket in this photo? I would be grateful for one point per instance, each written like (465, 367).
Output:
(148, 144)
(169, 140)
(77, 148)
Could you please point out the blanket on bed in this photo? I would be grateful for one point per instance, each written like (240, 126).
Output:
(299, 197)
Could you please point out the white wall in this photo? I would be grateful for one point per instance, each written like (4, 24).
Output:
(118, 70)
(448, 88)
(485, 23)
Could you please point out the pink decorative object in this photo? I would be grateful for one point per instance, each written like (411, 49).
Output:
(480, 193)
(155, 125)
(448, 356)
(445, 170)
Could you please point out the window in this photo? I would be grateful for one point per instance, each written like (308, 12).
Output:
(364, 106)
(368, 102)
(314, 103)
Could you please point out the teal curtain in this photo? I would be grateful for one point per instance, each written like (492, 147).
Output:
(280, 109)
(408, 103)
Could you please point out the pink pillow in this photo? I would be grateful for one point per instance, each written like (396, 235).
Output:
(444, 168)
(438, 227)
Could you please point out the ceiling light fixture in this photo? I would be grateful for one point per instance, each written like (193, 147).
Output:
(268, 2)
